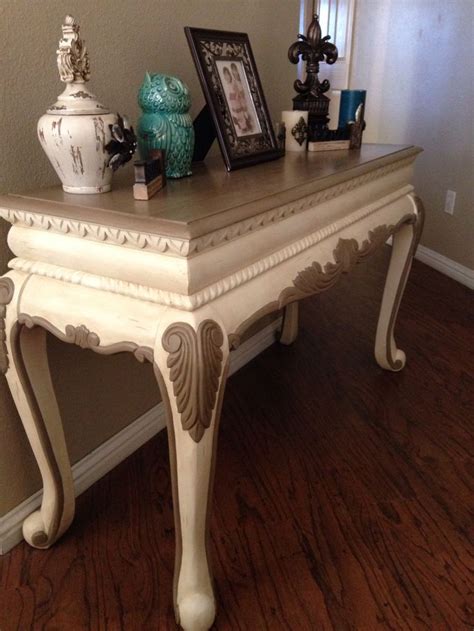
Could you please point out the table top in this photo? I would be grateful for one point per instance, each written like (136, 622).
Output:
(212, 198)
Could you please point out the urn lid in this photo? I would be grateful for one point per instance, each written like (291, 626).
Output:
(74, 71)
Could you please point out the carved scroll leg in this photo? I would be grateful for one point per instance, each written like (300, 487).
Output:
(405, 241)
(191, 368)
(30, 383)
(289, 328)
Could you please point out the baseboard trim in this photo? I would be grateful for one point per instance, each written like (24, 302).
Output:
(442, 264)
(446, 266)
(108, 455)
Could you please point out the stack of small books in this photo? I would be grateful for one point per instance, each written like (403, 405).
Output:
(150, 176)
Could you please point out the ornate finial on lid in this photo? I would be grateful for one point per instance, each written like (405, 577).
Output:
(74, 71)
(73, 59)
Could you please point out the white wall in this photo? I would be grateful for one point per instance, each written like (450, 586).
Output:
(416, 60)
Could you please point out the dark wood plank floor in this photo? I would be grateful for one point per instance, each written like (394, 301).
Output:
(344, 494)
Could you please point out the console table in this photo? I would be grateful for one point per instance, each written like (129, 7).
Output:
(177, 281)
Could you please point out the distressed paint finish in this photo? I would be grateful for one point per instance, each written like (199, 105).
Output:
(315, 279)
(195, 364)
(82, 337)
(75, 146)
(75, 130)
(181, 308)
(6, 294)
(32, 390)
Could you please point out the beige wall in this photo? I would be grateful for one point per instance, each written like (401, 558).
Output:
(99, 396)
(416, 60)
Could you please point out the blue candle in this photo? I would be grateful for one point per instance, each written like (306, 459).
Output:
(350, 101)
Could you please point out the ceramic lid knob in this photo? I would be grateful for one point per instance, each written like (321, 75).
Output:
(74, 71)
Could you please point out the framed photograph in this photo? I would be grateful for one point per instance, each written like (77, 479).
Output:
(234, 95)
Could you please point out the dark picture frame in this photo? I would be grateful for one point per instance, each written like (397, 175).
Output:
(234, 95)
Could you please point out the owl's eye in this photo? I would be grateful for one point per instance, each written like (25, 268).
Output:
(173, 85)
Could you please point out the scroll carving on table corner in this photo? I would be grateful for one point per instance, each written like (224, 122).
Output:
(316, 278)
(348, 253)
(195, 361)
(7, 289)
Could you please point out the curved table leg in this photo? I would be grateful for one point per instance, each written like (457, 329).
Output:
(191, 369)
(405, 241)
(289, 328)
(30, 383)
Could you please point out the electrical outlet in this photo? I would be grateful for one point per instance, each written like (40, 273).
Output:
(450, 201)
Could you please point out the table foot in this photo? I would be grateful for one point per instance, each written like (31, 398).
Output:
(197, 612)
(405, 241)
(289, 328)
(30, 383)
(191, 362)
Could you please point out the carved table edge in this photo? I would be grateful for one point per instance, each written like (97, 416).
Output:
(175, 246)
(315, 278)
(82, 337)
(207, 294)
(195, 360)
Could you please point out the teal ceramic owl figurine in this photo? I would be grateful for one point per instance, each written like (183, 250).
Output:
(166, 123)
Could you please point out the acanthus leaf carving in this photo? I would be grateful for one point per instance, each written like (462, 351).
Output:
(315, 278)
(7, 289)
(209, 293)
(195, 364)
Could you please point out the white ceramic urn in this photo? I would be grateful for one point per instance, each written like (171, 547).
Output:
(76, 129)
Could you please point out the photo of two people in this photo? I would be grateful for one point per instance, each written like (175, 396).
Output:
(238, 96)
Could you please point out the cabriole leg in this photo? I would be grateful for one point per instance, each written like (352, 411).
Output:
(405, 241)
(30, 383)
(289, 327)
(191, 368)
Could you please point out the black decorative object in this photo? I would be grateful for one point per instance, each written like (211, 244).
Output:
(300, 131)
(123, 144)
(150, 176)
(312, 48)
(204, 133)
(234, 95)
(356, 128)
(280, 131)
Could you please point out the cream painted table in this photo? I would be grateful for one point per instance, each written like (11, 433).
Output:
(176, 281)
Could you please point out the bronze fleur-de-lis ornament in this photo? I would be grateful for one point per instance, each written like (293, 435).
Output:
(312, 48)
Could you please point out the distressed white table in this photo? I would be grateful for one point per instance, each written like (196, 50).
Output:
(177, 281)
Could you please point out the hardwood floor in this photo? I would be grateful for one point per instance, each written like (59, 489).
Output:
(343, 498)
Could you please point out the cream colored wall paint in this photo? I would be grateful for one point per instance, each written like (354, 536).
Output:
(98, 395)
(416, 60)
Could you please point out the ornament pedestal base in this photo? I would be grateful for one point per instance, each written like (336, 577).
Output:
(87, 190)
